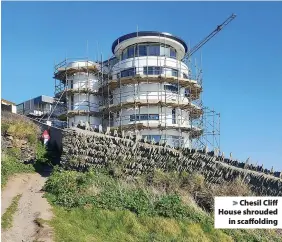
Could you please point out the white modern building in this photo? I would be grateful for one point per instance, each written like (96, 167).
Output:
(145, 86)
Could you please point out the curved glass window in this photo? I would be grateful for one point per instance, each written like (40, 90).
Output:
(171, 87)
(152, 70)
(141, 117)
(130, 52)
(174, 72)
(142, 50)
(148, 49)
(172, 53)
(153, 50)
(185, 76)
(187, 92)
(157, 70)
(127, 72)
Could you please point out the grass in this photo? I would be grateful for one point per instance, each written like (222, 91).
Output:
(94, 206)
(92, 224)
(7, 218)
(19, 127)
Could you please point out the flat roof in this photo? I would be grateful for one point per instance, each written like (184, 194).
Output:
(6, 101)
(148, 33)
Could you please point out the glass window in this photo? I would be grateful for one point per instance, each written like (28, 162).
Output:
(128, 72)
(174, 72)
(124, 54)
(171, 87)
(142, 50)
(130, 52)
(141, 117)
(172, 53)
(72, 103)
(187, 92)
(185, 76)
(152, 70)
(173, 116)
(167, 51)
(153, 117)
(162, 50)
(154, 50)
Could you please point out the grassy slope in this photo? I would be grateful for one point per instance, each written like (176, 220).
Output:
(97, 207)
(81, 224)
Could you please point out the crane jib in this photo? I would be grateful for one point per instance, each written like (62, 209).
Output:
(206, 39)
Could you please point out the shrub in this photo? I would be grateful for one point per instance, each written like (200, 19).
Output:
(74, 189)
(41, 153)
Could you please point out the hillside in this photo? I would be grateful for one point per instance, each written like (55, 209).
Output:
(121, 199)
(104, 205)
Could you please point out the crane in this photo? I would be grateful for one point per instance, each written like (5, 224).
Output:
(205, 40)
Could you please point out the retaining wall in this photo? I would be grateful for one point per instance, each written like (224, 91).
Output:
(84, 149)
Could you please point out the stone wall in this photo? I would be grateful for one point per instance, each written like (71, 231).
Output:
(83, 149)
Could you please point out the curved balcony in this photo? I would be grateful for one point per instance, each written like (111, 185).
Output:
(192, 130)
(69, 69)
(194, 88)
(194, 110)
(81, 112)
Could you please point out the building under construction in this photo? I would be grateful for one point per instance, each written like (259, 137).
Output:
(150, 85)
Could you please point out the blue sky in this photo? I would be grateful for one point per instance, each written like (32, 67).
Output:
(241, 65)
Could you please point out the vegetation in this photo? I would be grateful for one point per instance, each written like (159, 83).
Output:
(7, 217)
(95, 206)
(20, 129)
(93, 224)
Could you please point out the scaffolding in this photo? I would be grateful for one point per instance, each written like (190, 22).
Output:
(66, 88)
(199, 124)
(117, 100)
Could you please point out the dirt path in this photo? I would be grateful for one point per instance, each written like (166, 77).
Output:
(31, 206)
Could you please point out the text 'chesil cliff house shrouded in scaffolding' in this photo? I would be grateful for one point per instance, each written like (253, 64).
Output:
(146, 86)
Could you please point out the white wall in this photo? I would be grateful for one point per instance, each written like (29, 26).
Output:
(83, 80)
(80, 102)
(14, 109)
(165, 116)
(140, 62)
(151, 91)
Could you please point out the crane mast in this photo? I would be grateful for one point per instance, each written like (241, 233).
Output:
(206, 39)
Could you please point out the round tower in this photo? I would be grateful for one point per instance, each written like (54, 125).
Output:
(150, 88)
(79, 85)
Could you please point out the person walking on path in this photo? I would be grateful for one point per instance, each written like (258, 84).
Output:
(46, 137)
